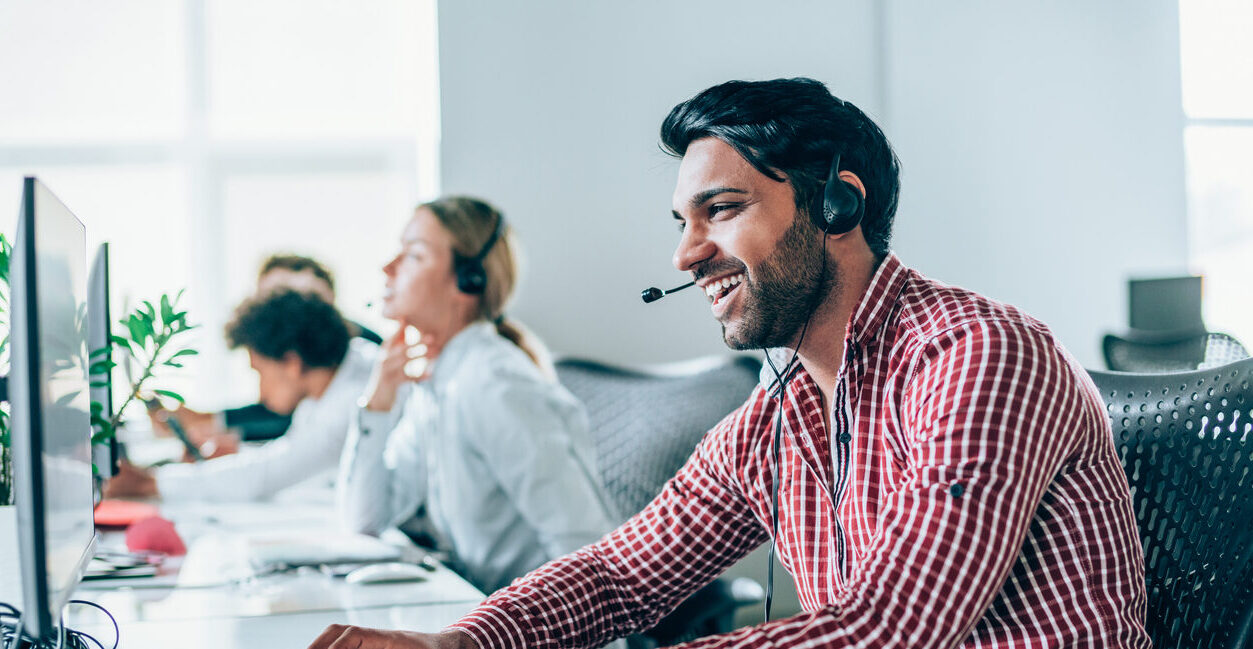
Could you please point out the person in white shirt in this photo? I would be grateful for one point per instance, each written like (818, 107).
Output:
(464, 433)
(308, 367)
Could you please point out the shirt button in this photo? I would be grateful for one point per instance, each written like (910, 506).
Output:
(956, 490)
(845, 438)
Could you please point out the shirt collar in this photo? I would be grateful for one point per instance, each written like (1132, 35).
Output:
(871, 314)
(458, 348)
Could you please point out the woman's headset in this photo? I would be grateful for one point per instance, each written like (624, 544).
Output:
(471, 277)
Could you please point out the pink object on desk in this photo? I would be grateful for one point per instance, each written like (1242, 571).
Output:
(154, 534)
(121, 513)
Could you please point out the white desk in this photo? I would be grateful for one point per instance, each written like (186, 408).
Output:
(291, 631)
(208, 600)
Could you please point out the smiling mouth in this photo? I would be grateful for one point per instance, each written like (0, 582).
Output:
(719, 289)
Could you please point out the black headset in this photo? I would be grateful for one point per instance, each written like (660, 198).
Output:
(836, 210)
(471, 278)
(840, 206)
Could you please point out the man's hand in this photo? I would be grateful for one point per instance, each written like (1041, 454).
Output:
(131, 482)
(200, 426)
(340, 636)
(407, 357)
(217, 446)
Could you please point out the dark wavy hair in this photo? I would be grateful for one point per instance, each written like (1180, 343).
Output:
(283, 321)
(789, 130)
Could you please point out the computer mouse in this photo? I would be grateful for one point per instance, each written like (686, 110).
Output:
(391, 572)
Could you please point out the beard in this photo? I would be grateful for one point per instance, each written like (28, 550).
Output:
(781, 295)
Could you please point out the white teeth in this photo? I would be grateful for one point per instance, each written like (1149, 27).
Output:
(719, 285)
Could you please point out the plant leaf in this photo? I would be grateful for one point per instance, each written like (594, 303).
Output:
(136, 327)
(171, 394)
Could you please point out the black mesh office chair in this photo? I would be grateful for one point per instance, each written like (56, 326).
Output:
(1186, 443)
(646, 423)
(1155, 352)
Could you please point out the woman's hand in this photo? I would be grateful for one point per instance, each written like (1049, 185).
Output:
(407, 358)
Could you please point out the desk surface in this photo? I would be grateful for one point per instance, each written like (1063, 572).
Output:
(289, 631)
(206, 600)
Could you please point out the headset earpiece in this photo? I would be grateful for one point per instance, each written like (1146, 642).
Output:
(839, 207)
(471, 277)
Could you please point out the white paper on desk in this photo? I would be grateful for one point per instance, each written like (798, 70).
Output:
(215, 559)
(280, 551)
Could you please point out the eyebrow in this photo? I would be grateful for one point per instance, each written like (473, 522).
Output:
(700, 198)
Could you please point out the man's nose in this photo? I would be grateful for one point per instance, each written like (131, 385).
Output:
(694, 247)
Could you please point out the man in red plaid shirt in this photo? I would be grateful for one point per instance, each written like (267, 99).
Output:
(944, 470)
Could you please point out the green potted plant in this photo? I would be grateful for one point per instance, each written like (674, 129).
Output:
(147, 347)
(151, 341)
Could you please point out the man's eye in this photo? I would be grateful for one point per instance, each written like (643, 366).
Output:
(681, 225)
(715, 209)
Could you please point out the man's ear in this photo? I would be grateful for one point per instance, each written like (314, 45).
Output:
(292, 364)
(852, 179)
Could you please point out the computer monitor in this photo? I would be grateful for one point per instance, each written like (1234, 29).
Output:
(48, 392)
(107, 453)
(1165, 304)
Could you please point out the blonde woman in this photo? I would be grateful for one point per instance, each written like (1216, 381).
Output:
(480, 448)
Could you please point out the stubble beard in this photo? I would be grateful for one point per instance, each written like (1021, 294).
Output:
(783, 292)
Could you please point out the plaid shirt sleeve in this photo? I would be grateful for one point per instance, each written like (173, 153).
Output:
(697, 527)
(990, 410)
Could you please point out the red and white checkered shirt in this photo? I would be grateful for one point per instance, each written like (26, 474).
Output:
(961, 492)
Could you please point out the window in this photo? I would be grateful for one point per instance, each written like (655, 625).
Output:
(198, 136)
(1217, 66)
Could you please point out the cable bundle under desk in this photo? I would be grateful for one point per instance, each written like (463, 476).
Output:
(13, 637)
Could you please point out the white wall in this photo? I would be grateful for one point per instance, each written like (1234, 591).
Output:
(551, 109)
(1041, 144)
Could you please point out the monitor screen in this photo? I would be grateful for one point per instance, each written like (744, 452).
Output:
(48, 390)
(1165, 304)
(105, 454)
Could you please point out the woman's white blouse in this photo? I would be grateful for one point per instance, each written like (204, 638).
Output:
(494, 457)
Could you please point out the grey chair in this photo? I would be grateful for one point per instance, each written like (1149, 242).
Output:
(1186, 444)
(1155, 352)
(646, 422)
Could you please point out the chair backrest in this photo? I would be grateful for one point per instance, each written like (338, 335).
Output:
(646, 422)
(1186, 444)
(1159, 352)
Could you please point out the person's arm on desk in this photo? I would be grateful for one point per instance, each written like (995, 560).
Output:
(698, 526)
